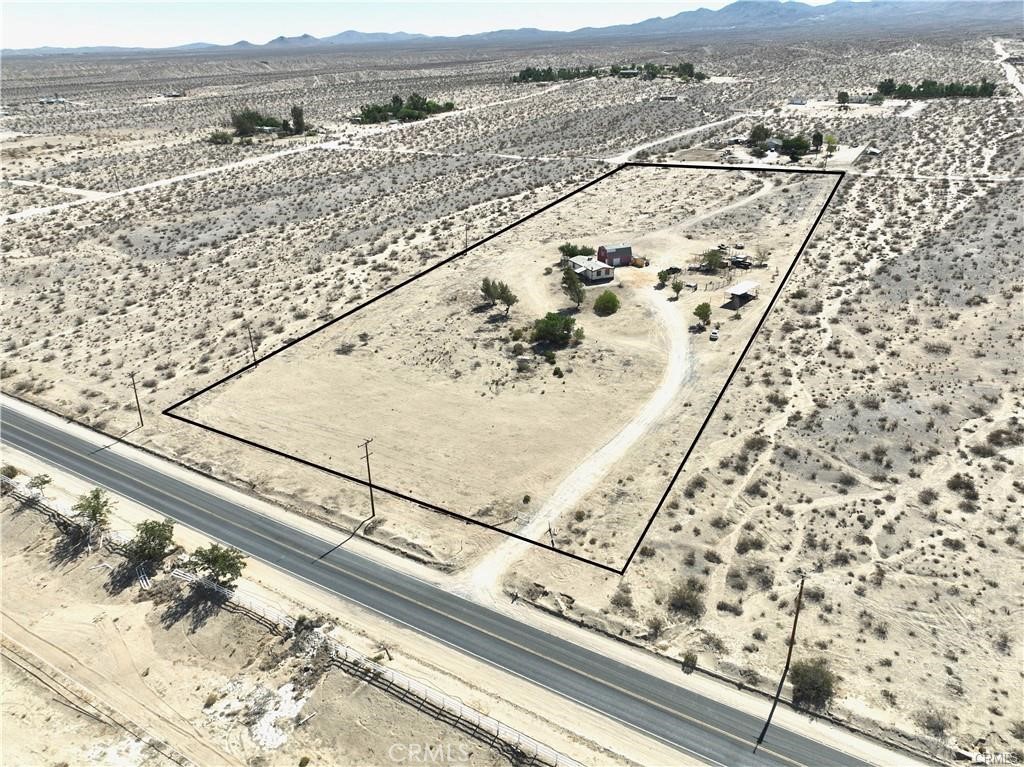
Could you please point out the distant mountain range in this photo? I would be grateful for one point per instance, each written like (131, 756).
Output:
(760, 19)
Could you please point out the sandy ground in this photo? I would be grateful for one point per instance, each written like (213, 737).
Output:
(887, 371)
(429, 372)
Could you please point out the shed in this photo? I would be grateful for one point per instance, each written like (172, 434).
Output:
(615, 255)
(743, 290)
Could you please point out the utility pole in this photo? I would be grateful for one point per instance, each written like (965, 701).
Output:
(252, 346)
(551, 534)
(789, 655)
(137, 405)
(373, 512)
(465, 245)
(369, 479)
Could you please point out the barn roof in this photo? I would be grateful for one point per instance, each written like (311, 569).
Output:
(742, 288)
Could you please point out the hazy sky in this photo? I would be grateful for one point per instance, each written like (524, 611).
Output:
(34, 23)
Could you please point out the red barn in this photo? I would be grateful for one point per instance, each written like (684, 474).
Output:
(615, 255)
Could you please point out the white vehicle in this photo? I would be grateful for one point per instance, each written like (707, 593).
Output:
(714, 334)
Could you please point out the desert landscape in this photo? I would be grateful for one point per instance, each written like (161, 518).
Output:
(868, 445)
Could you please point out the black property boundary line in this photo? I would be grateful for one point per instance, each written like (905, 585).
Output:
(168, 411)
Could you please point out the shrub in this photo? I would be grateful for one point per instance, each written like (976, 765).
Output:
(933, 721)
(554, 328)
(220, 137)
(813, 683)
(748, 542)
(607, 303)
(689, 662)
(963, 484)
(729, 607)
(9, 471)
(687, 599)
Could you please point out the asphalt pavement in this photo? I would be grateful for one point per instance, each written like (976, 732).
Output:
(707, 729)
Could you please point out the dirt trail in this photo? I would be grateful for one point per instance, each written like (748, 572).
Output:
(482, 582)
(631, 153)
(92, 196)
(1012, 75)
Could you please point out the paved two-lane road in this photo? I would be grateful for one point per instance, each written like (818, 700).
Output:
(699, 726)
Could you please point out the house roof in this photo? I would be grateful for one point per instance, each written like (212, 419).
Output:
(742, 288)
(621, 248)
(587, 263)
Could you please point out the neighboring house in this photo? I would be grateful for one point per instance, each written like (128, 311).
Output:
(773, 144)
(615, 255)
(798, 101)
(590, 269)
(667, 97)
(629, 72)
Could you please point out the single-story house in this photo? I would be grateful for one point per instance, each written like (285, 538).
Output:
(615, 255)
(629, 72)
(773, 144)
(590, 269)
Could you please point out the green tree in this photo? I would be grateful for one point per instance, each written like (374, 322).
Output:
(246, 121)
(759, 134)
(220, 137)
(555, 329)
(572, 286)
(831, 143)
(703, 312)
(813, 683)
(507, 297)
(816, 140)
(571, 251)
(677, 287)
(222, 564)
(663, 276)
(489, 289)
(298, 120)
(39, 481)
(843, 98)
(152, 541)
(795, 145)
(887, 87)
(713, 259)
(606, 303)
(95, 506)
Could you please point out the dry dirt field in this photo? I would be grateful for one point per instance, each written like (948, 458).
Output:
(587, 441)
(872, 439)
